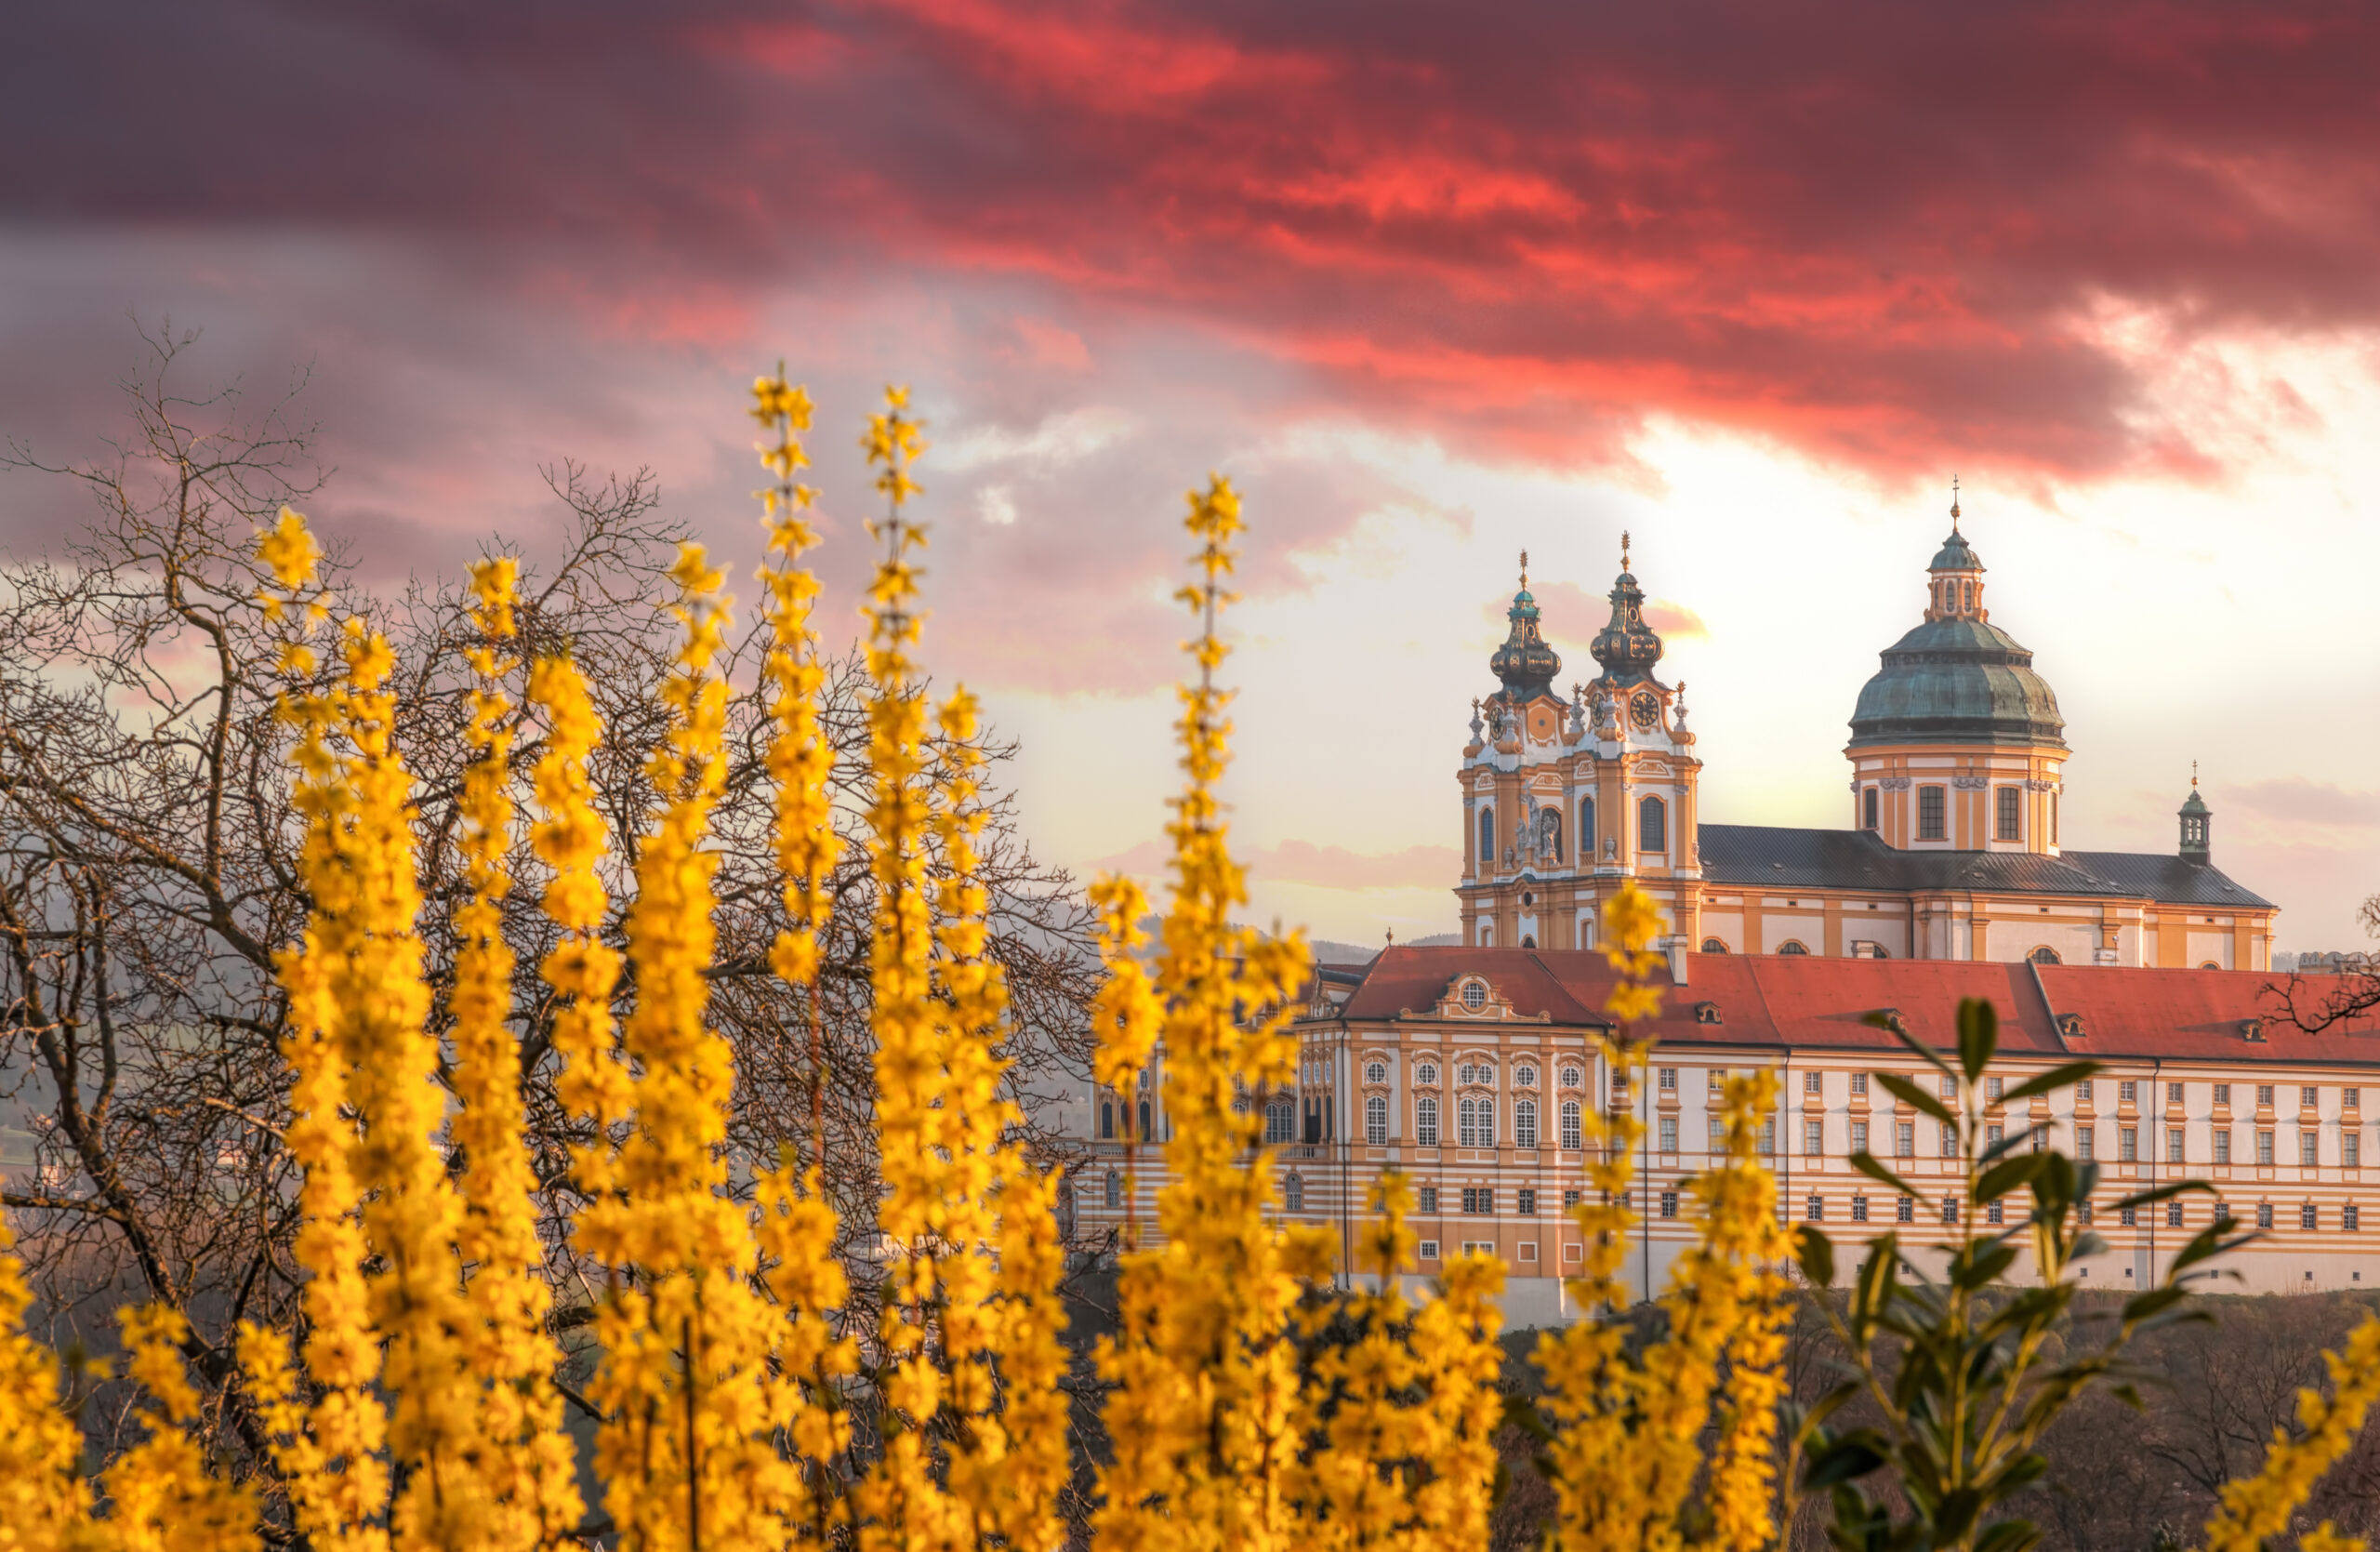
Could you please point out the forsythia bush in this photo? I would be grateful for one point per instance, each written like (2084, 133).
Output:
(1248, 1406)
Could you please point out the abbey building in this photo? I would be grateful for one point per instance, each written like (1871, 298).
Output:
(1950, 849)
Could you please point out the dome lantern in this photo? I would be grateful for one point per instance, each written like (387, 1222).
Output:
(2197, 826)
(1626, 648)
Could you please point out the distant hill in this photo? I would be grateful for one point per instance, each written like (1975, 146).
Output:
(1326, 951)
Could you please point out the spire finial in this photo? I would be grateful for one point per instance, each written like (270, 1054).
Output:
(1954, 503)
(1623, 549)
(2193, 776)
(1523, 571)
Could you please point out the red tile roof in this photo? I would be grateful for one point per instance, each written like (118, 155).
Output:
(1811, 1001)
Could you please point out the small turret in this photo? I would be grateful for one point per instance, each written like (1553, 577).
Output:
(1957, 575)
(1627, 647)
(2196, 825)
(1525, 663)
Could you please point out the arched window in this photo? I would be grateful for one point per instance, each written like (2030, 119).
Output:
(1525, 1123)
(1652, 825)
(1144, 1132)
(1586, 829)
(2210, 965)
(1293, 1194)
(1792, 946)
(1114, 1190)
(1487, 1124)
(1528, 940)
(1968, 589)
(1487, 839)
(1712, 946)
(1106, 1119)
(1466, 1115)
(1425, 1122)
(1573, 1126)
(2044, 955)
(1280, 1121)
(1376, 1121)
(1867, 809)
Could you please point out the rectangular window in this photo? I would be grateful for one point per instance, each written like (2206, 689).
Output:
(1996, 1212)
(2351, 1149)
(2128, 1144)
(2350, 1099)
(1718, 1080)
(1669, 1134)
(1574, 1134)
(2223, 1094)
(1669, 1204)
(2222, 1212)
(2086, 1143)
(1950, 1142)
(1858, 1136)
(2309, 1149)
(2309, 1098)
(2082, 1212)
(1480, 1199)
(1859, 1208)
(1859, 1083)
(2263, 1147)
(1947, 1087)
(1929, 813)
(2126, 1092)
(1810, 1084)
(1669, 1080)
(1993, 1089)
(1570, 1200)
(1994, 1136)
(2306, 1219)
(2011, 813)
(1813, 1137)
(1768, 1135)
(1429, 1207)
(2264, 1214)
(1815, 1208)
(1904, 1210)
(1718, 1134)
(2172, 1215)
(2348, 1218)
(2173, 1094)
(1867, 809)
(2174, 1139)
(1525, 1203)
(2223, 1146)
(1429, 1250)
(1905, 1139)
(2083, 1090)
(2264, 1094)
(2041, 1138)
(1652, 825)
(2128, 1217)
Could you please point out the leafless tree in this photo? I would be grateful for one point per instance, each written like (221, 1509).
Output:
(2319, 1002)
(147, 877)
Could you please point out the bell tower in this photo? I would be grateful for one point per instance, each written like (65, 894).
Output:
(1563, 800)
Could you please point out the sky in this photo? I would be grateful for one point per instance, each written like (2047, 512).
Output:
(1750, 282)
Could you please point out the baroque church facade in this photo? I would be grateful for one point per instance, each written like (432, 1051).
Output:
(1953, 850)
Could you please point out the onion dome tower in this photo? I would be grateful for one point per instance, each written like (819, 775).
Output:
(1525, 663)
(1956, 740)
(1626, 648)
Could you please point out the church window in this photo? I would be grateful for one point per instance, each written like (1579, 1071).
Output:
(1425, 1122)
(1114, 1190)
(1867, 809)
(1280, 1121)
(1293, 1193)
(2053, 819)
(1525, 1123)
(1967, 590)
(1375, 1072)
(1929, 813)
(1586, 829)
(1652, 825)
(1573, 1125)
(1487, 839)
(1792, 946)
(2044, 955)
(1144, 1119)
(2011, 814)
(1712, 946)
(1466, 1113)
(1107, 1118)
(1376, 1121)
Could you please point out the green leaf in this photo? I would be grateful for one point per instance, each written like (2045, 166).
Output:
(1910, 1094)
(1979, 1036)
(1815, 1254)
(1853, 1456)
(1866, 1164)
(2002, 1178)
(2009, 1535)
(2159, 1193)
(1986, 1266)
(1925, 1051)
(2051, 1082)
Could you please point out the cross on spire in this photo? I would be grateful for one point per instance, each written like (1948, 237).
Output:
(2193, 776)
(1954, 503)
(1623, 549)
(1524, 568)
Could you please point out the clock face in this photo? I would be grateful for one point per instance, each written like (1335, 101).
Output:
(1644, 711)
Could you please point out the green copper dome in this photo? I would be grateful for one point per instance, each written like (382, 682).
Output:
(1525, 662)
(1957, 681)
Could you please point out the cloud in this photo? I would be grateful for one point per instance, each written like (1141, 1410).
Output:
(1674, 620)
(2297, 800)
(1303, 862)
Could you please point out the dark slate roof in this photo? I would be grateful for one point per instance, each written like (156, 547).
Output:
(1770, 857)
